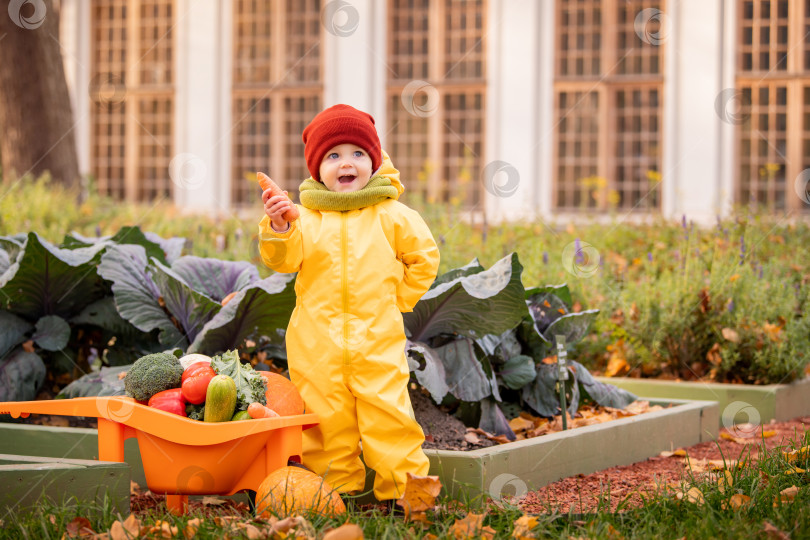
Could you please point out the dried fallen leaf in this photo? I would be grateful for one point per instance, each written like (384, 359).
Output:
(471, 438)
(730, 335)
(773, 532)
(420, 493)
(79, 527)
(191, 528)
(796, 455)
(694, 495)
(470, 527)
(786, 495)
(523, 528)
(519, 424)
(127, 529)
(212, 501)
(795, 470)
(163, 529)
(348, 531)
(134, 488)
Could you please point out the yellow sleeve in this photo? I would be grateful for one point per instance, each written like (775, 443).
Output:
(419, 255)
(282, 252)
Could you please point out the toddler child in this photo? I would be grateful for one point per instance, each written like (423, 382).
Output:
(362, 259)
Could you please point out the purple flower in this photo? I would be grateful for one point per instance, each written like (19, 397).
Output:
(730, 305)
(545, 257)
(742, 250)
(649, 256)
(98, 231)
(580, 256)
(760, 271)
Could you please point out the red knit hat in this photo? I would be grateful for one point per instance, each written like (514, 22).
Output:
(340, 124)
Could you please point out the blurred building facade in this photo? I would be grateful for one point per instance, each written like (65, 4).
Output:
(511, 109)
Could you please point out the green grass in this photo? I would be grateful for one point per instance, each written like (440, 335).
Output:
(664, 514)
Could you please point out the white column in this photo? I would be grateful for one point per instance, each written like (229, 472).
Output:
(693, 166)
(512, 176)
(354, 51)
(74, 42)
(199, 167)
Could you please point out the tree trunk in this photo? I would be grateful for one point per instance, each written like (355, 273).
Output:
(36, 122)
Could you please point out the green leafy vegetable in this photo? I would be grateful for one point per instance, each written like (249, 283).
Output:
(249, 383)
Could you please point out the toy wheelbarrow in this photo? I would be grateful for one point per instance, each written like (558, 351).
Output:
(183, 457)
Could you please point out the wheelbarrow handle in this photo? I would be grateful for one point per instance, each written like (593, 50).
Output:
(88, 406)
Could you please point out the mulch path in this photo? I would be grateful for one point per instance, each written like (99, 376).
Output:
(625, 485)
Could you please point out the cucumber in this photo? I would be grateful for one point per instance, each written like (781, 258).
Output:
(241, 415)
(220, 399)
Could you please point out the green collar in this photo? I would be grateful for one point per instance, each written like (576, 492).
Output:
(316, 196)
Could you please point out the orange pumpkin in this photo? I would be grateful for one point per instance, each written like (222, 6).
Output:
(282, 395)
(294, 490)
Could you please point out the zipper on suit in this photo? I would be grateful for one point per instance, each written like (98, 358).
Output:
(344, 242)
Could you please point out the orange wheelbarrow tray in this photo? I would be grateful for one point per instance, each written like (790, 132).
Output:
(183, 457)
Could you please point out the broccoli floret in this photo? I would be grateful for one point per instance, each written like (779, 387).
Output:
(151, 374)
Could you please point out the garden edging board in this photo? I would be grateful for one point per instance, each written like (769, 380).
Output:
(739, 403)
(507, 469)
(26, 479)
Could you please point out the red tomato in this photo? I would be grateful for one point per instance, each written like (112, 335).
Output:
(195, 381)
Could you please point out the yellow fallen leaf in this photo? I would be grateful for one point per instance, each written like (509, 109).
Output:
(795, 470)
(470, 527)
(127, 529)
(725, 481)
(520, 424)
(523, 528)
(796, 455)
(420, 493)
(768, 434)
(694, 495)
(348, 531)
(738, 500)
(190, 530)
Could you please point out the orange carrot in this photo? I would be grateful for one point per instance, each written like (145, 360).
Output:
(257, 410)
(266, 183)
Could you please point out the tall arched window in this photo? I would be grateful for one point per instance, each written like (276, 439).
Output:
(277, 89)
(132, 98)
(436, 94)
(608, 90)
(773, 96)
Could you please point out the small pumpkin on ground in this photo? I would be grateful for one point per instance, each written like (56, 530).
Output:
(282, 395)
(294, 490)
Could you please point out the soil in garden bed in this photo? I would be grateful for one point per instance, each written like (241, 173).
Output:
(627, 485)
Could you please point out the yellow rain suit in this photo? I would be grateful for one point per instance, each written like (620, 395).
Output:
(357, 271)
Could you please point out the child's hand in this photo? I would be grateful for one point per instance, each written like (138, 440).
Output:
(275, 207)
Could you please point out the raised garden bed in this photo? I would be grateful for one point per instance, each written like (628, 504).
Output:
(515, 468)
(739, 403)
(27, 479)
